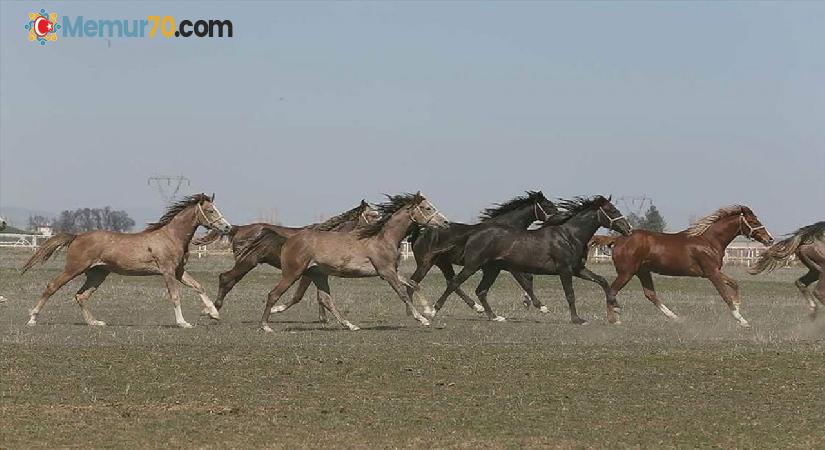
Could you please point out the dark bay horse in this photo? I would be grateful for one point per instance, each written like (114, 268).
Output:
(559, 247)
(373, 250)
(161, 249)
(808, 245)
(241, 236)
(445, 247)
(695, 252)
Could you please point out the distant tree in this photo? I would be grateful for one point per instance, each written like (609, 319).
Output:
(654, 220)
(88, 219)
(37, 221)
(636, 221)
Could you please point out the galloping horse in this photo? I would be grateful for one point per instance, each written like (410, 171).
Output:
(161, 249)
(808, 244)
(240, 237)
(559, 247)
(445, 248)
(373, 250)
(695, 252)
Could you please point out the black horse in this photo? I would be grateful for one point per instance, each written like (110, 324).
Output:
(559, 247)
(445, 247)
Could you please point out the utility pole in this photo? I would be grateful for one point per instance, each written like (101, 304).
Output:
(168, 186)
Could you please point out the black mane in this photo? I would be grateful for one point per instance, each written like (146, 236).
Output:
(175, 209)
(516, 203)
(572, 207)
(810, 232)
(387, 209)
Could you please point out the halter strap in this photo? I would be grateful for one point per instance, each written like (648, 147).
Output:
(428, 219)
(751, 229)
(611, 219)
(536, 208)
(210, 222)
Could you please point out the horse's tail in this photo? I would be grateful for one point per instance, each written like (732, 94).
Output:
(776, 254)
(214, 235)
(48, 248)
(266, 242)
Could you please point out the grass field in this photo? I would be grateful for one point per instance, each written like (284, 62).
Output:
(535, 380)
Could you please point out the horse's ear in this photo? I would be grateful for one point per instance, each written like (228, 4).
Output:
(418, 196)
(212, 199)
(364, 203)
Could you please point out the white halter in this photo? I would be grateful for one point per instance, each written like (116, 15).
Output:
(751, 229)
(611, 219)
(211, 222)
(428, 219)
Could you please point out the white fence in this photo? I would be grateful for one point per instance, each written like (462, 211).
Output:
(12, 240)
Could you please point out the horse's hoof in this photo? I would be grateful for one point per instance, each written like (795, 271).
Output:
(97, 323)
(266, 328)
(351, 326)
(2, 299)
(32, 322)
(425, 322)
(544, 309)
(579, 321)
(498, 319)
(478, 308)
(428, 311)
(278, 308)
(744, 324)
(185, 325)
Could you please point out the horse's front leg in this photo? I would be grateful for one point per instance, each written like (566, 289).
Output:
(567, 285)
(208, 307)
(390, 275)
(729, 290)
(174, 295)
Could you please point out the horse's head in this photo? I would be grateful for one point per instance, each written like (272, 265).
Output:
(751, 227)
(2, 224)
(424, 213)
(610, 216)
(209, 216)
(368, 214)
(543, 208)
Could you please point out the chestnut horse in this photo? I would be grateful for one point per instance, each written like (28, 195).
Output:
(241, 235)
(161, 249)
(808, 245)
(371, 251)
(695, 252)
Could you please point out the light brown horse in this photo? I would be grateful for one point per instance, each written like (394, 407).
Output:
(241, 235)
(161, 249)
(808, 245)
(371, 251)
(695, 252)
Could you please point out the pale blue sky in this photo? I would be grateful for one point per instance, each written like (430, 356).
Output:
(312, 106)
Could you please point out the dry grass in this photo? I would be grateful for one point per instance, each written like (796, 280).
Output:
(535, 380)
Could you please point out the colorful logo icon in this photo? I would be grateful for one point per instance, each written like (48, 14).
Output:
(42, 27)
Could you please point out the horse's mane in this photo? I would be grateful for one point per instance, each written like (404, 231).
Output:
(175, 209)
(702, 225)
(810, 232)
(344, 217)
(511, 205)
(571, 207)
(387, 209)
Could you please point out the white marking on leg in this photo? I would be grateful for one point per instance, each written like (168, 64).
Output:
(278, 308)
(32, 320)
(351, 326)
(544, 309)
(478, 308)
(738, 316)
(179, 318)
(498, 319)
(667, 312)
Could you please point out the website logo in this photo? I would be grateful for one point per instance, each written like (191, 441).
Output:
(42, 27)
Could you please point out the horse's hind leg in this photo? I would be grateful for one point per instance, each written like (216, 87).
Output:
(525, 280)
(53, 286)
(227, 280)
(820, 288)
(208, 307)
(489, 275)
(303, 285)
(94, 278)
(803, 284)
(449, 274)
(322, 282)
(647, 286)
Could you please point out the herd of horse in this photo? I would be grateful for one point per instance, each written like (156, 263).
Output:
(525, 236)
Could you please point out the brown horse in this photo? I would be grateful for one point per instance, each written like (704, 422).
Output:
(808, 245)
(161, 249)
(695, 252)
(241, 236)
(371, 251)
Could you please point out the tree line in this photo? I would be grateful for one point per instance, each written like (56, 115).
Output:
(85, 219)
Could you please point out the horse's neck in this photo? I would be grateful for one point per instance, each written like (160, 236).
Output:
(519, 218)
(182, 227)
(347, 226)
(396, 227)
(581, 227)
(723, 232)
